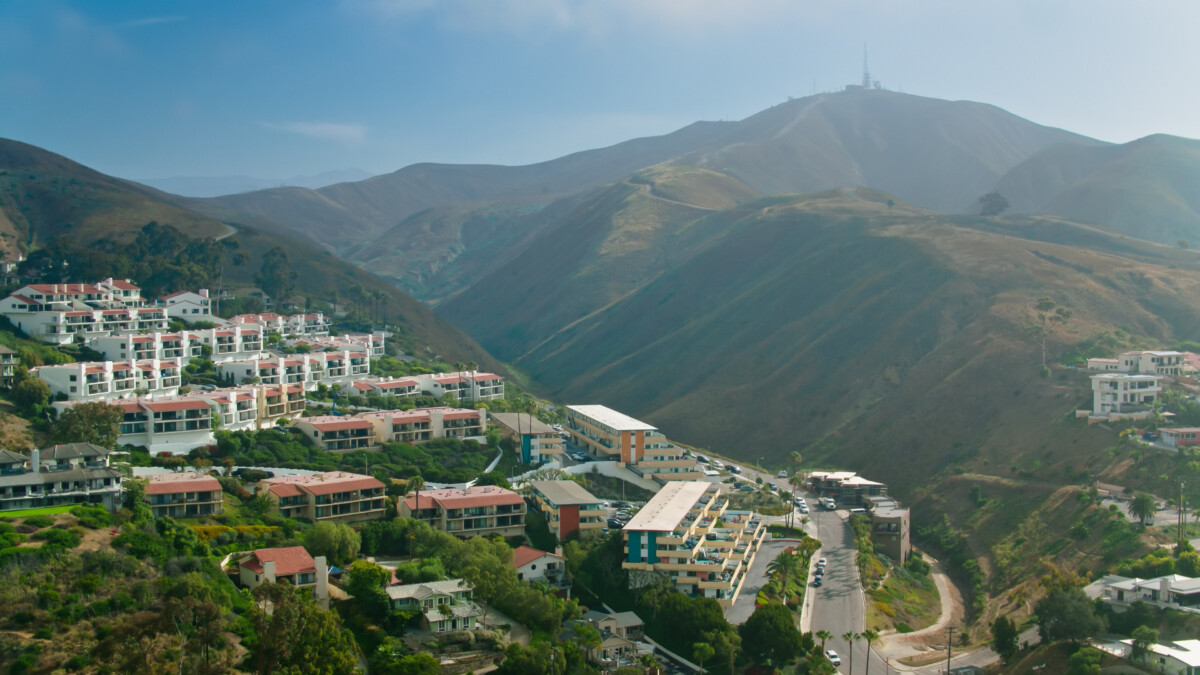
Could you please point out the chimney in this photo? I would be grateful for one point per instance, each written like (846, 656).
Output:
(35, 460)
(321, 590)
(1164, 589)
(269, 571)
(558, 551)
(204, 292)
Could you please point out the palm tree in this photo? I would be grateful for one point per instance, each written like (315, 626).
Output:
(416, 483)
(784, 565)
(702, 651)
(824, 635)
(850, 636)
(870, 636)
(1142, 507)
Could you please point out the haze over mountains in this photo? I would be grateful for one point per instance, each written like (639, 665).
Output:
(215, 186)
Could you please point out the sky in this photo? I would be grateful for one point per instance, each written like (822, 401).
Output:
(276, 88)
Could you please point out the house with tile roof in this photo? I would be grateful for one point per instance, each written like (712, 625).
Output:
(64, 313)
(477, 511)
(444, 605)
(293, 565)
(184, 495)
(189, 306)
(335, 496)
(423, 424)
(175, 424)
(337, 433)
(534, 566)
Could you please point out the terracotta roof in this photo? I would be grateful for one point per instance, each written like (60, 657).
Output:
(23, 299)
(65, 288)
(484, 376)
(176, 294)
(124, 285)
(165, 406)
(450, 498)
(174, 483)
(362, 386)
(288, 561)
(333, 423)
(395, 383)
(448, 379)
(324, 483)
(285, 490)
(523, 555)
(461, 415)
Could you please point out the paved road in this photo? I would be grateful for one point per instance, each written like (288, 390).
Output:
(756, 578)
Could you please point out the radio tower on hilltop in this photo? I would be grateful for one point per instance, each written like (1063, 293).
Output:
(866, 83)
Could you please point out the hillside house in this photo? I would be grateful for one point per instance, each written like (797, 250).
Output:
(189, 306)
(293, 565)
(8, 366)
(890, 526)
(845, 487)
(443, 605)
(568, 506)
(65, 313)
(533, 440)
(1124, 394)
(536, 566)
(75, 473)
(331, 432)
(175, 424)
(1172, 591)
(1180, 437)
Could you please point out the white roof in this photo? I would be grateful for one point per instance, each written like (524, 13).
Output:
(610, 418)
(667, 508)
(1184, 651)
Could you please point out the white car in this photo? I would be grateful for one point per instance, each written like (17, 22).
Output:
(833, 657)
(821, 562)
(781, 474)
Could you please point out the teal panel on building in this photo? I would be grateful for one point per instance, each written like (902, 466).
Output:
(634, 539)
(652, 547)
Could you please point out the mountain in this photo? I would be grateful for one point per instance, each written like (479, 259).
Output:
(44, 196)
(215, 186)
(1145, 188)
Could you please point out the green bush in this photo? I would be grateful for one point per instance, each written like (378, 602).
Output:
(40, 521)
(57, 537)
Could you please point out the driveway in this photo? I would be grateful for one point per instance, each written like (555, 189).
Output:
(756, 578)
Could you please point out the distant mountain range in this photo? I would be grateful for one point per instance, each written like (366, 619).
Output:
(215, 186)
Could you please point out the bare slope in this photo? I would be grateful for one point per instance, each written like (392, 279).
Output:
(46, 195)
(1145, 188)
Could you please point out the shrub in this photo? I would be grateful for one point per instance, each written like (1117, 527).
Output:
(56, 537)
(43, 634)
(92, 517)
(39, 521)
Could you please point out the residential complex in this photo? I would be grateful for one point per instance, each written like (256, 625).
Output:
(335, 496)
(424, 424)
(315, 325)
(64, 313)
(173, 425)
(184, 495)
(372, 344)
(676, 535)
(293, 565)
(444, 605)
(609, 435)
(101, 380)
(189, 306)
(330, 432)
(75, 473)
(476, 511)
(307, 370)
(473, 387)
(568, 506)
(534, 440)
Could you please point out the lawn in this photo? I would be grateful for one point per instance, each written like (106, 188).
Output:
(46, 511)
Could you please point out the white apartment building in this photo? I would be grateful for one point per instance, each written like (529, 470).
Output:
(189, 306)
(472, 387)
(144, 346)
(307, 370)
(175, 425)
(62, 313)
(424, 424)
(1122, 393)
(1142, 362)
(314, 324)
(372, 344)
(96, 381)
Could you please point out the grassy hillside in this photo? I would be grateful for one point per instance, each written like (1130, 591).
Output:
(1145, 188)
(44, 196)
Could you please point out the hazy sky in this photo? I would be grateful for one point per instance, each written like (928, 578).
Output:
(279, 88)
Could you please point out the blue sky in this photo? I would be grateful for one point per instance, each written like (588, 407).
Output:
(278, 88)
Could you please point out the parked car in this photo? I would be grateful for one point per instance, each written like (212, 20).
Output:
(816, 582)
(615, 524)
(803, 509)
(732, 469)
(821, 562)
(702, 459)
(772, 486)
(781, 474)
(747, 488)
(833, 657)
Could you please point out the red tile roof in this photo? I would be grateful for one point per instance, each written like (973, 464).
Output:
(285, 490)
(174, 483)
(124, 285)
(165, 406)
(451, 498)
(288, 561)
(324, 483)
(523, 555)
(332, 423)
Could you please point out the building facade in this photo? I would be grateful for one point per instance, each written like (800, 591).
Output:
(609, 435)
(568, 507)
(184, 495)
(334, 496)
(424, 424)
(331, 432)
(102, 380)
(1124, 393)
(293, 565)
(75, 473)
(533, 440)
(477, 511)
(444, 605)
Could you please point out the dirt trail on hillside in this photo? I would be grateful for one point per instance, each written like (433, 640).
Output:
(893, 645)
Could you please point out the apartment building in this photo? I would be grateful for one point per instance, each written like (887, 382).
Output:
(175, 425)
(189, 306)
(444, 605)
(233, 409)
(846, 488)
(405, 387)
(477, 511)
(609, 435)
(335, 496)
(8, 366)
(1152, 362)
(145, 346)
(314, 325)
(101, 380)
(184, 495)
(292, 564)
(675, 535)
(307, 370)
(534, 440)
(424, 424)
(1123, 393)
(75, 473)
(568, 506)
(331, 432)
(372, 344)
(64, 313)
(276, 402)
(467, 386)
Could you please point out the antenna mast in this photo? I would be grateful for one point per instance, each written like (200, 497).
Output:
(866, 82)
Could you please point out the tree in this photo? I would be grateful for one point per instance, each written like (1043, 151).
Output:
(1142, 507)
(992, 204)
(824, 635)
(276, 277)
(96, 422)
(364, 577)
(293, 633)
(1086, 661)
(870, 635)
(770, 635)
(1048, 314)
(337, 542)
(1143, 637)
(785, 564)
(850, 636)
(1004, 637)
(31, 394)
(701, 652)
(1066, 614)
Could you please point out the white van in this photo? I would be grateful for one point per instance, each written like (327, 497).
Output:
(717, 465)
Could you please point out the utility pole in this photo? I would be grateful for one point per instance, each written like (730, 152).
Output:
(1179, 518)
(949, 647)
